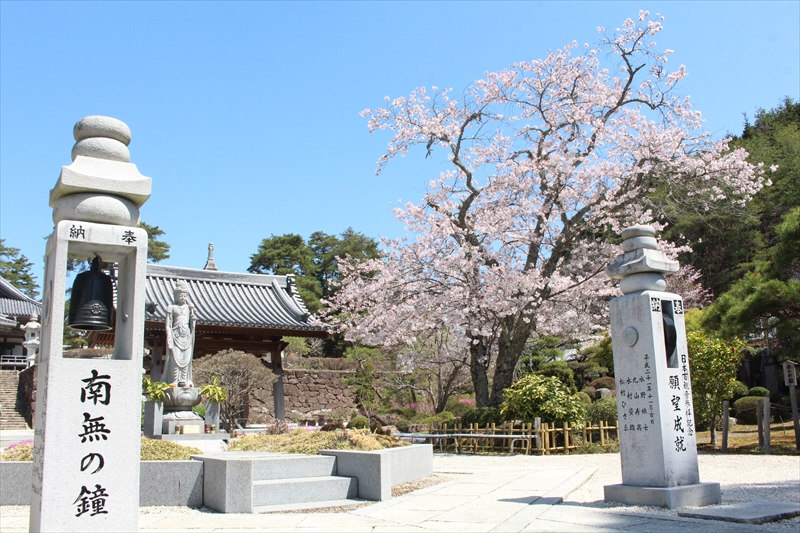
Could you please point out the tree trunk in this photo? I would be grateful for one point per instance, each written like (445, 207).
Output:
(509, 350)
(479, 354)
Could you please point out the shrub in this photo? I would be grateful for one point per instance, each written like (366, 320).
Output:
(585, 398)
(405, 412)
(459, 406)
(482, 416)
(445, 417)
(402, 425)
(560, 370)
(358, 422)
(745, 409)
(739, 390)
(199, 410)
(545, 397)
(604, 383)
(591, 391)
(604, 409)
(758, 391)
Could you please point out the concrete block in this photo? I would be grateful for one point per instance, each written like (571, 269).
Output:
(161, 483)
(227, 483)
(697, 495)
(293, 466)
(378, 471)
(302, 490)
(171, 483)
(759, 512)
(410, 463)
(15, 482)
(372, 469)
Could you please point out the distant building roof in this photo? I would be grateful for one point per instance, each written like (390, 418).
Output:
(230, 299)
(14, 303)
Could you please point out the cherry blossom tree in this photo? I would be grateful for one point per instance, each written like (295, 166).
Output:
(544, 162)
(435, 366)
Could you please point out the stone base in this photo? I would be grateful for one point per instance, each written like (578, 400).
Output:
(698, 495)
(208, 443)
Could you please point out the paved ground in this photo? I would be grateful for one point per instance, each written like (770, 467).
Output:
(491, 493)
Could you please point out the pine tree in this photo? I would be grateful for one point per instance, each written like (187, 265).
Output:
(16, 269)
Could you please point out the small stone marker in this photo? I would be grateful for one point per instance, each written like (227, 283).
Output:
(654, 390)
(86, 445)
(747, 512)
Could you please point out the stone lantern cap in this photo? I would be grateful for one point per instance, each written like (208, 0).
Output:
(642, 266)
(641, 254)
(101, 163)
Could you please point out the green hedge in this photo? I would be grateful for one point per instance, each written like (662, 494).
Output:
(758, 391)
(482, 416)
(745, 409)
(604, 409)
(358, 422)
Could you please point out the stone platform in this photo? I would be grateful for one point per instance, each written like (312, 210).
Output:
(698, 495)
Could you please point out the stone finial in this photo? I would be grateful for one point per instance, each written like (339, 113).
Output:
(101, 185)
(210, 261)
(642, 266)
(101, 138)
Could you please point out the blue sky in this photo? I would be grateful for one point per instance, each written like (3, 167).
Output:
(246, 115)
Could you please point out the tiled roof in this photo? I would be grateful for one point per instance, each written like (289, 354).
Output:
(14, 303)
(230, 299)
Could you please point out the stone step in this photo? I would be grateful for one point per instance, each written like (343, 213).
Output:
(302, 490)
(308, 506)
(293, 466)
(11, 404)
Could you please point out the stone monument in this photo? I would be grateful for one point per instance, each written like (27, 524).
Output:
(654, 393)
(86, 445)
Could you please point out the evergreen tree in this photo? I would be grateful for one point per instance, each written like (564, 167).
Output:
(16, 269)
(315, 263)
(727, 242)
(156, 250)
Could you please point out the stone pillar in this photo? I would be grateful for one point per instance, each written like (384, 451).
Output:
(86, 446)
(654, 396)
(277, 387)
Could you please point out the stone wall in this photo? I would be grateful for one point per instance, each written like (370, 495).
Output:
(27, 390)
(308, 395)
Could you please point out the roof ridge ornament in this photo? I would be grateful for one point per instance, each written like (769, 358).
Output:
(210, 265)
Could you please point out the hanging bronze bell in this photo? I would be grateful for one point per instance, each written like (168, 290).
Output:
(91, 306)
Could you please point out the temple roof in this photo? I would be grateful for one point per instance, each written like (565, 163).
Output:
(15, 303)
(230, 298)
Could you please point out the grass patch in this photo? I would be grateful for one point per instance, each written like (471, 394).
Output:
(311, 442)
(151, 450)
(744, 439)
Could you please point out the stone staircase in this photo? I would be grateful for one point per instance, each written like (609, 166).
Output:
(11, 405)
(261, 482)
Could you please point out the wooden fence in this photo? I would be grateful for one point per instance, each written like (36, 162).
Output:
(517, 437)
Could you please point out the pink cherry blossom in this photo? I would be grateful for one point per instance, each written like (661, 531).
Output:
(545, 162)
